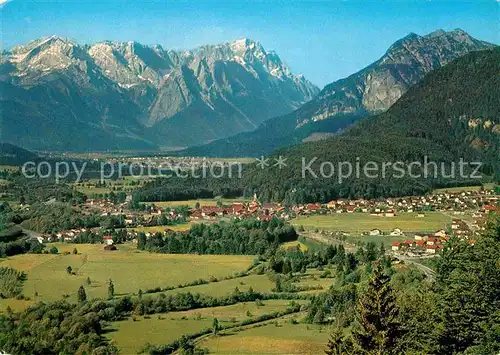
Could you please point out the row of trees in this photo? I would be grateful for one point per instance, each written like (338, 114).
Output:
(22, 245)
(247, 236)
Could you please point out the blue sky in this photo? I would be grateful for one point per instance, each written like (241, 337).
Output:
(324, 40)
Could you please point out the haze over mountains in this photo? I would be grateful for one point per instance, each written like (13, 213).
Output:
(59, 95)
(370, 91)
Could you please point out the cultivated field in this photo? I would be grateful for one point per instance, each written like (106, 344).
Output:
(286, 338)
(129, 269)
(259, 283)
(91, 187)
(487, 186)
(294, 244)
(131, 336)
(357, 223)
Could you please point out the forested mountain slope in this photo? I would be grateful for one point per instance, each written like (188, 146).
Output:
(453, 113)
(370, 91)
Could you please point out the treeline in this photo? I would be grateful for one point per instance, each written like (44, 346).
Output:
(13, 241)
(20, 246)
(290, 260)
(242, 237)
(346, 269)
(162, 303)
(55, 217)
(180, 189)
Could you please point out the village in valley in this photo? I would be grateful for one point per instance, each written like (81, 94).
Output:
(462, 212)
(250, 178)
(189, 269)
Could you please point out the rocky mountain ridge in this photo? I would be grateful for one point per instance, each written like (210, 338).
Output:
(212, 91)
(370, 91)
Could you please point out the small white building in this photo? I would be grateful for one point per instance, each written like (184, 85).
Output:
(108, 240)
(390, 213)
(396, 232)
(430, 249)
(440, 233)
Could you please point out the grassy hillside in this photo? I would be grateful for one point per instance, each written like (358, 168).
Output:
(129, 269)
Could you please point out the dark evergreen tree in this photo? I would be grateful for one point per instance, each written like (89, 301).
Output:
(377, 315)
(338, 344)
(111, 289)
(82, 296)
(215, 326)
(468, 282)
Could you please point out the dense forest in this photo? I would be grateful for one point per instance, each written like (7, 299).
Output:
(452, 113)
(247, 236)
(26, 190)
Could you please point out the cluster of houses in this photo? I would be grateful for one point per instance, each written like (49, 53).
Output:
(428, 244)
(434, 243)
(265, 211)
(63, 236)
(476, 204)
(70, 235)
(445, 202)
(104, 206)
(454, 203)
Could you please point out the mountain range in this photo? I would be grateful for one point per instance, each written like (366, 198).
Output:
(58, 95)
(230, 99)
(453, 113)
(370, 91)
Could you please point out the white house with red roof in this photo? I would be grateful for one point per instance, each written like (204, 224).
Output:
(108, 240)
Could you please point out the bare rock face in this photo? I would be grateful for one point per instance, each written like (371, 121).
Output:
(381, 90)
(378, 86)
(370, 91)
(143, 93)
(132, 63)
(204, 76)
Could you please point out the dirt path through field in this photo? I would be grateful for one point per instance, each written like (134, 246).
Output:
(239, 328)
